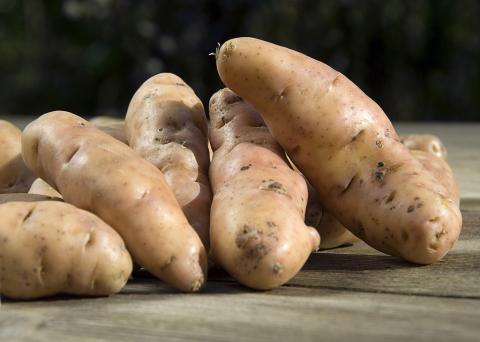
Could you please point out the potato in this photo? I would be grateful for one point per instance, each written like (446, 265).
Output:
(112, 126)
(347, 148)
(440, 169)
(14, 175)
(425, 142)
(96, 172)
(51, 247)
(166, 125)
(257, 231)
(40, 187)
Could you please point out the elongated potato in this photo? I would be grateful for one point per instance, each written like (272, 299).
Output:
(98, 173)
(114, 127)
(14, 175)
(346, 147)
(166, 125)
(40, 187)
(425, 142)
(51, 247)
(257, 233)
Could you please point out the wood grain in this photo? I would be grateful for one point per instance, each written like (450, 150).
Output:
(227, 312)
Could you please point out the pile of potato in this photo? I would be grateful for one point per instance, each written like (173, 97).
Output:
(300, 159)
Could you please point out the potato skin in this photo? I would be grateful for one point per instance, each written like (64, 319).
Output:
(51, 247)
(425, 142)
(426, 148)
(40, 187)
(96, 172)
(112, 126)
(346, 147)
(14, 175)
(166, 125)
(257, 233)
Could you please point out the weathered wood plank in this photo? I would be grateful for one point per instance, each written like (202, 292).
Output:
(226, 312)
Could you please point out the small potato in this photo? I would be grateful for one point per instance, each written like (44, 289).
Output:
(257, 228)
(98, 173)
(51, 247)
(425, 142)
(40, 187)
(112, 126)
(166, 125)
(14, 175)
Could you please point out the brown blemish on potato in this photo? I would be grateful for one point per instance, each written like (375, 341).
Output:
(26, 217)
(271, 224)
(246, 167)
(379, 143)
(391, 197)
(395, 167)
(379, 176)
(404, 236)
(277, 268)
(410, 208)
(272, 185)
(247, 233)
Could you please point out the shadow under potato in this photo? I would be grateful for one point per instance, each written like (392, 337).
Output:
(353, 262)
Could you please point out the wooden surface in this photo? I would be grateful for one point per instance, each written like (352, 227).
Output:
(346, 294)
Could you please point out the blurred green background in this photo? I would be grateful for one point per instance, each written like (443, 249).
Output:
(420, 60)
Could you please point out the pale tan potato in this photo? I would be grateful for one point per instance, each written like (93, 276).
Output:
(166, 125)
(425, 142)
(440, 169)
(114, 127)
(96, 172)
(14, 175)
(51, 247)
(347, 148)
(257, 229)
(40, 187)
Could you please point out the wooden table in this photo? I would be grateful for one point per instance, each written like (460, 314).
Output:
(347, 294)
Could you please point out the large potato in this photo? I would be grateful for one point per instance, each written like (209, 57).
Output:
(257, 233)
(51, 247)
(166, 125)
(96, 172)
(346, 147)
(14, 175)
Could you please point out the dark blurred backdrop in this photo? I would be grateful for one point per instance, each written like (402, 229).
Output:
(419, 59)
